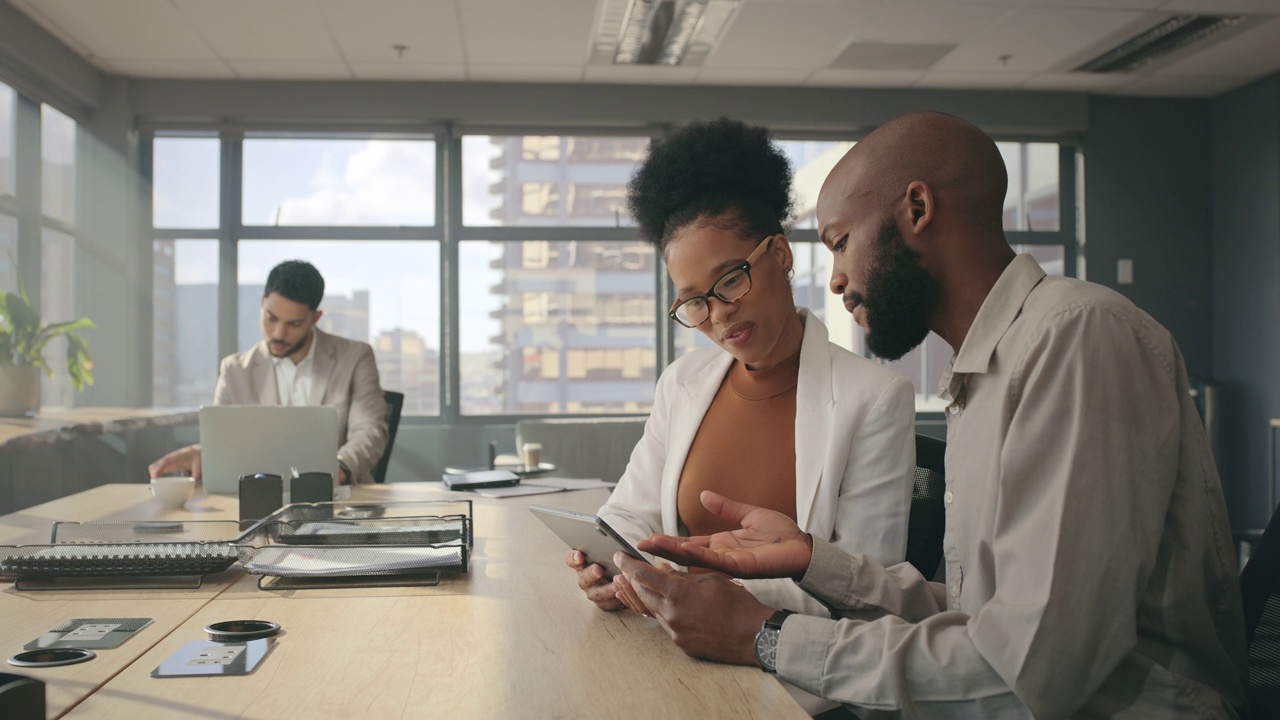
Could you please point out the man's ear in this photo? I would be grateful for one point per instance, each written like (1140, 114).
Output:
(919, 206)
(315, 316)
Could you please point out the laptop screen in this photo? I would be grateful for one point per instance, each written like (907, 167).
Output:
(238, 440)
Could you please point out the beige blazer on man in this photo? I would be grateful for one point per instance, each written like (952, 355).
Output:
(344, 376)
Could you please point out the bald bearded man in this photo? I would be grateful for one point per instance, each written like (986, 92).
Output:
(1089, 571)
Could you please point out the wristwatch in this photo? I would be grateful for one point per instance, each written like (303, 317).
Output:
(767, 640)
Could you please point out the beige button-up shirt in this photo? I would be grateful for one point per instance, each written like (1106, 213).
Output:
(1089, 567)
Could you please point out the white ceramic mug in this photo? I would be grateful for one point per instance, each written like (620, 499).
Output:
(172, 492)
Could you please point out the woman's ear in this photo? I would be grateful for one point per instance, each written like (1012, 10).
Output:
(781, 249)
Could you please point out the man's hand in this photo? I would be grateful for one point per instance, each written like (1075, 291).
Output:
(706, 614)
(769, 544)
(185, 459)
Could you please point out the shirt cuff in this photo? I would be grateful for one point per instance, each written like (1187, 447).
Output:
(802, 651)
(832, 577)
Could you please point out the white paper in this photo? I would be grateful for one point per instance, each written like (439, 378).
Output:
(567, 483)
(417, 528)
(339, 562)
(524, 488)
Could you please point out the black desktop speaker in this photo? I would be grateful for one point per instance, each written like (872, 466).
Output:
(260, 495)
(311, 487)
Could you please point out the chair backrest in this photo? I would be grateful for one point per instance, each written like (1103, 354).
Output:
(395, 401)
(1260, 590)
(928, 514)
(584, 447)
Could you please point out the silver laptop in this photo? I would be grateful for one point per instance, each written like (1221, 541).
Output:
(237, 440)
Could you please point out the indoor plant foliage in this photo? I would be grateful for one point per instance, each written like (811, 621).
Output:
(23, 337)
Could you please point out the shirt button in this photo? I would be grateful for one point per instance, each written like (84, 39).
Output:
(955, 590)
(947, 497)
(953, 409)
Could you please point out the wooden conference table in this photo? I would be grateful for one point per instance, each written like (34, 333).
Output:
(514, 638)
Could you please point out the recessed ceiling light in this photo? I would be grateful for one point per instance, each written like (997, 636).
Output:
(659, 32)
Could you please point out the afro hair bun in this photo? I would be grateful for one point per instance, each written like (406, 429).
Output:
(718, 169)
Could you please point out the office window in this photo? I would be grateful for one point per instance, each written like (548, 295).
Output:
(185, 182)
(58, 150)
(8, 254)
(57, 304)
(557, 327)
(1031, 202)
(184, 322)
(385, 293)
(336, 181)
(811, 160)
(545, 180)
(8, 111)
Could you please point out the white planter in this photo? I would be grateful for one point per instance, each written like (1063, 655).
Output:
(19, 391)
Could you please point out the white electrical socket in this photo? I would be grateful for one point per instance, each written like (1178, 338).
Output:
(217, 655)
(91, 631)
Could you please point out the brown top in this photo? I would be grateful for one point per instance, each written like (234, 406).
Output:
(745, 447)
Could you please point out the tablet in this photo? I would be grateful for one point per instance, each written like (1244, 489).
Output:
(588, 534)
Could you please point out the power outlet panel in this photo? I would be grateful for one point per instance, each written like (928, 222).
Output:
(217, 655)
(202, 658)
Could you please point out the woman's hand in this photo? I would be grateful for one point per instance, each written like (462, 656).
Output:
(599, 589)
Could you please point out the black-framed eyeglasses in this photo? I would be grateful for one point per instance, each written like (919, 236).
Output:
(692, 312)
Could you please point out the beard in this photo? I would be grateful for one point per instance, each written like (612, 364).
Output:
(900, 296)
(295, 348)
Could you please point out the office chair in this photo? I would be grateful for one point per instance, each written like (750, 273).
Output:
(928, 515)
(1260, 590)
(395, 401)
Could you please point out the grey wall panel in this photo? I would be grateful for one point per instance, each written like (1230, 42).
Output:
(42, 67)
(1147, 198)
(399, 103)
(1246, 287)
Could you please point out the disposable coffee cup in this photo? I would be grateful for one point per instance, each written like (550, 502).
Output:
(531, 453)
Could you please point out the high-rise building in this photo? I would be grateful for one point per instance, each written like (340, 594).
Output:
(406, 364)
(577, 325)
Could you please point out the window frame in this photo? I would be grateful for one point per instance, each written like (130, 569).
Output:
(450, 230)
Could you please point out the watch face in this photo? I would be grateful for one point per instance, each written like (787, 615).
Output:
(767, 648)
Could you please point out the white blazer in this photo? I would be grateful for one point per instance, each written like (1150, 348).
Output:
(855, 454)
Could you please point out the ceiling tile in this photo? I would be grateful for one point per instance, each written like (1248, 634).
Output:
(1255, 51)
(171, 68)
(790, 35)
(1035, 39)
(547, 32)
(498, 72)
(1182, 86)
(136, 29)
(929, 21)
(290, 70)
(640, 74)
(409, 71)
(864, 78)
(764, 77)
(285, 30)
(367, 30)
(950, 79)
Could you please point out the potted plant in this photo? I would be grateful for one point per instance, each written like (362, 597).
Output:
(23, 337)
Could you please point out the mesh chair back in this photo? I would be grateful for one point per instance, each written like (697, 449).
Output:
(928, 515)
(1260, 590)
(395, 401)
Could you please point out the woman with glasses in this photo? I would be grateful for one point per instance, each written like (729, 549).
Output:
(776, 415)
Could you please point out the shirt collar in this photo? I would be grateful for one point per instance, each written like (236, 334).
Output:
(1000, 308)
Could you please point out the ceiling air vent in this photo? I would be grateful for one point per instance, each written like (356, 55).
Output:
(1176, 33)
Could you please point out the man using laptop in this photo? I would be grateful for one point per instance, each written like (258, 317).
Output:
(296, 363)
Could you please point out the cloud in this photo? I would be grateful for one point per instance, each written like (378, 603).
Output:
(384, 183)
